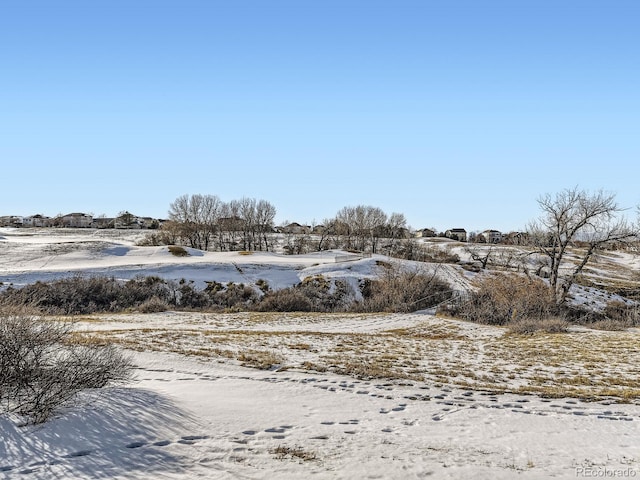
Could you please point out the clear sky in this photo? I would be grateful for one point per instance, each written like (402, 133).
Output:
(455, 113)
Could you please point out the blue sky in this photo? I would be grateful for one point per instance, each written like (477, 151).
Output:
(455, 113)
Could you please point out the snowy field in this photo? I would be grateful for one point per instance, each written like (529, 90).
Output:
(342, 396)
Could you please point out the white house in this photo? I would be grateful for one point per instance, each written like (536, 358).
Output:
(77, 220)
(459, 234)
(36, 221)
(492, 236)
(425, 232)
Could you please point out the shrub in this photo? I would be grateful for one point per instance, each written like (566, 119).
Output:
(402, 290)
(178, 251)
(263, 285)
(627, 314)
(285, 300)
(501, 299)
(189, 297)
(234, 295)
(84, 295)
(153, 305)
(610, 325)
(41, 368)
(313, 294)
(156, 238)
(529, 326)
(412, 250)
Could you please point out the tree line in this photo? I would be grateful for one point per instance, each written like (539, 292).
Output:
(205, 222)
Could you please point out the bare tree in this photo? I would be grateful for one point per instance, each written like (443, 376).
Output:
(197, 217)
(480, 254)
(265, 215)
(570, 216)
(42, 367)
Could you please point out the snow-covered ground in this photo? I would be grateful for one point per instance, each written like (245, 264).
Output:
(321, 404)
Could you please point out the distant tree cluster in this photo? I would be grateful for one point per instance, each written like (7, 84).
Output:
(206, 222)
(363, 228)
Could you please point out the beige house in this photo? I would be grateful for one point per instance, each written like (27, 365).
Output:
(295, 228)
(36, 221)
(77, 220)
(491, 236)
(11, 221)
(425, 232)
(459, 234)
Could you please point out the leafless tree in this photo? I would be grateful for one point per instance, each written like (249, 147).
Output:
(207, 223)
(265, 216)
(575, 215)
(42, 367)
(480, 254)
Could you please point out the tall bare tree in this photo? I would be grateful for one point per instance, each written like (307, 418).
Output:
(571, 216)
(197, 217)
(265, 215)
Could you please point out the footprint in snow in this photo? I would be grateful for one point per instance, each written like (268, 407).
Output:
(80, 453)
(191, 439)
(135, 445)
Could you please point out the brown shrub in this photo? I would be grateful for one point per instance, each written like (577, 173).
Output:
(503, 298)
(529, 326)
(628, 314)
(402, 290)
(153, 305)
(42, 368)
(286, 300)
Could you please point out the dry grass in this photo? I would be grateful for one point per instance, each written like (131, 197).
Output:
(283, 452)
(586, 364)
(264, 360)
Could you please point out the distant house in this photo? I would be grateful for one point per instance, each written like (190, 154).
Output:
(11, 221)
(36, 221)
(76, 220)
(516, 238)
(104, 222)
(147, 222)
(295, 228)
(491, 236)
(425, 232)
(459, 234)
